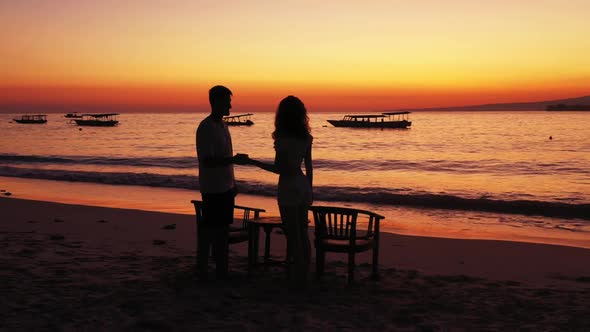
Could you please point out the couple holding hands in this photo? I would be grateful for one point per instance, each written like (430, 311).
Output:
(292, 143)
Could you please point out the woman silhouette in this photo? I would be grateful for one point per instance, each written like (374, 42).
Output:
(292, 143)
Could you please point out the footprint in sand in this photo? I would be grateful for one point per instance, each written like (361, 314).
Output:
(73, 245)
(171, 226)
(57, 237)
(27, 252)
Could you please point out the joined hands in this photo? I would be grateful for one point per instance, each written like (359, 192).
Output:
(241, 159)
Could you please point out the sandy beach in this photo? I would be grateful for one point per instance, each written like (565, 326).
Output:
(73, 267)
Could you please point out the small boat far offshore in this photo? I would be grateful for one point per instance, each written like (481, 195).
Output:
(97, 120)
(238, 120)
(383, 120)
(32, 119)
(74, 115)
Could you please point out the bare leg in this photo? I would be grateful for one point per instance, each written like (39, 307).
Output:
(285, 217)
(305, 243)
(295, 220)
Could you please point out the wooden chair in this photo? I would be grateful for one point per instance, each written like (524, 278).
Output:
(238, 231)
(336, 230)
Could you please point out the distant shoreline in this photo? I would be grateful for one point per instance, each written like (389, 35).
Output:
(313, 111)
(527, 106)
(568, 110)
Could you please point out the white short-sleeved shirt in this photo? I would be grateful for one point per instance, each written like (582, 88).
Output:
(213, 140)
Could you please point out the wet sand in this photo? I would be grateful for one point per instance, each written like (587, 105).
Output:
(74, 267)
(457, 224)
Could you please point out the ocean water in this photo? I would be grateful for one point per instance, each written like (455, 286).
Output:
(489, 161)
(446, 158)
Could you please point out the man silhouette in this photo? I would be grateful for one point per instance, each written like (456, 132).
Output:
(217, 183)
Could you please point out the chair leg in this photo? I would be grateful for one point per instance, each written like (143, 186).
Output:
(203, 250)
(267, 233)
(288, 260)
(375, 275)
(350, 267)
(320, 259)
(253, 234)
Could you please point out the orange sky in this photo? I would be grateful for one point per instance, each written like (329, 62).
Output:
(334, 54)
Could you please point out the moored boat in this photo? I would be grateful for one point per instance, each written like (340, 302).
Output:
(32, 119)
(98, 120)
(238, 120)
(383, 120)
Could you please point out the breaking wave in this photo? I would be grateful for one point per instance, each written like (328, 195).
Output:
(488, 166)
(372, 195)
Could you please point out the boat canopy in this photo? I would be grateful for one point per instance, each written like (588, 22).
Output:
(237, 116)
(372, 116)
(100, 115)
(395, 113)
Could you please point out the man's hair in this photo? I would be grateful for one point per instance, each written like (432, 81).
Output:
(217, 93)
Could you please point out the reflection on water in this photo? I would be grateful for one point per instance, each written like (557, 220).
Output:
(499, 155)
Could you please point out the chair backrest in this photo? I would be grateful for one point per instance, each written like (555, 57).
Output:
(198, 210)
(341, 223)
(334, 222)
(248, 214)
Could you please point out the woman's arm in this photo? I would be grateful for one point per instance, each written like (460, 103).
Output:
(308, 166)
(276, 167)
(279, 167)
(264, 166)
(309, 169)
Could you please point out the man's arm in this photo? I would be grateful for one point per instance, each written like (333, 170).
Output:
(210, 162)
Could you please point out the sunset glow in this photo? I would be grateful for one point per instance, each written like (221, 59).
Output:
(336, 55)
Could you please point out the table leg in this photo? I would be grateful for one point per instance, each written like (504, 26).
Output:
(250, 244)
(253, 233)
(267, 231)
(256, 243)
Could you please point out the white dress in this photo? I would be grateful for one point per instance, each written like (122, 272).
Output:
(294, 189)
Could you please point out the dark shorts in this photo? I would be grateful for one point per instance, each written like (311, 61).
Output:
(218, 209)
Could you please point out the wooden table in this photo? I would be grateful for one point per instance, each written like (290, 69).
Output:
(254, 226)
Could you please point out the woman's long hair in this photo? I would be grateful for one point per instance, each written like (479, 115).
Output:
(291, 119)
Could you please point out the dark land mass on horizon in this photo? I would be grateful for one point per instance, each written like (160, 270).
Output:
(150, 108)
(523, 106)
